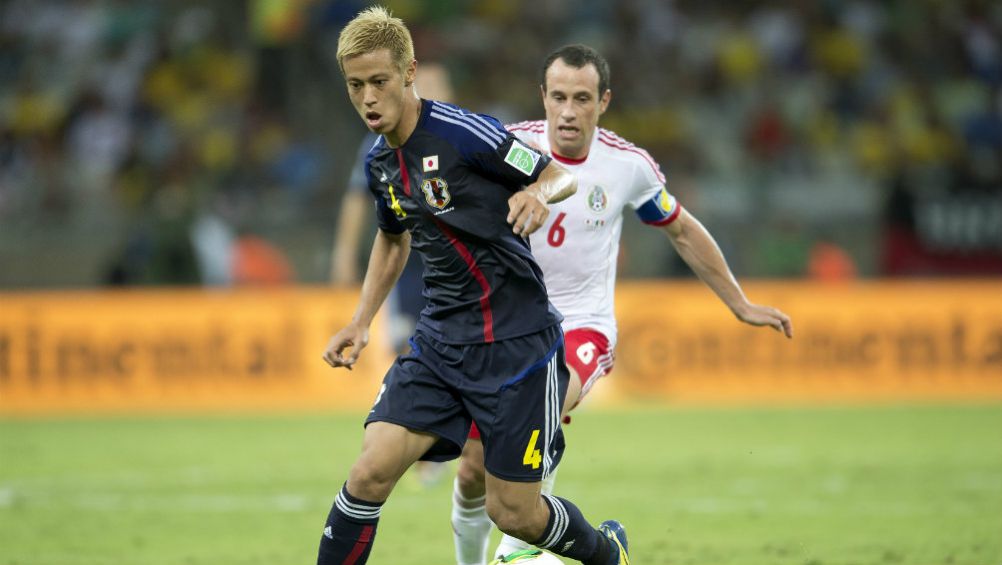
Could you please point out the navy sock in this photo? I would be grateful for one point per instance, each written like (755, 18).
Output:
(568, 534)
(350, 529)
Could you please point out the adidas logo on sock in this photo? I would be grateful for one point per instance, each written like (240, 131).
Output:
(567, 546)
(328, 532)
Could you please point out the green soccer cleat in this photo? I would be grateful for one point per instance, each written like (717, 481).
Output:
(617, 534)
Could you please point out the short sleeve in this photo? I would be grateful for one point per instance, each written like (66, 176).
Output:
(386, 219)
(651, 200)
(660, 209)
(486, 146)
(513, 162)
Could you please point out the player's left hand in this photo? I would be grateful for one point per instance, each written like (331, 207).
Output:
(527, 211)
(758, 315)
(351, 336)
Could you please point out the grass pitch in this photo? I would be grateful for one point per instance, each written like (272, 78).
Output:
(822, 486)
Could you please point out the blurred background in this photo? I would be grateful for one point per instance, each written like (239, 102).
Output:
(173, 174)
(164, 143)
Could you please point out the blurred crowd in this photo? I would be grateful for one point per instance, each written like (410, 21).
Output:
(208, 142)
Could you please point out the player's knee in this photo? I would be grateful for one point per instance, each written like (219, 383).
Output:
(369, 481)
(516, 521)
(470, 477)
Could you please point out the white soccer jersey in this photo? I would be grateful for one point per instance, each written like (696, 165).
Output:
(578, 246)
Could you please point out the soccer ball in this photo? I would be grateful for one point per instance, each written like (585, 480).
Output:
(529, 557)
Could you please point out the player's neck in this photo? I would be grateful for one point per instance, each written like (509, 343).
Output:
(408, 122)
(570, 157)
(569, 160)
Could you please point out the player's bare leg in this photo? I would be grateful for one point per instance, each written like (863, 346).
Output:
(471, 526)
(548, 522)
(388, 450)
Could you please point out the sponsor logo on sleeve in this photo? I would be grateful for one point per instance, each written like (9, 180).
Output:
(521, 158)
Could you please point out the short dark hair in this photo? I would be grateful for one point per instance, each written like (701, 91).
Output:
(578, 56)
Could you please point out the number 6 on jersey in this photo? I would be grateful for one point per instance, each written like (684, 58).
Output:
(555, 237)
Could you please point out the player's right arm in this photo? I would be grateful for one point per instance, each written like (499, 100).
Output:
(528, 210)
(389, 255)
(697, 247)
(699, 250)
(386, 262)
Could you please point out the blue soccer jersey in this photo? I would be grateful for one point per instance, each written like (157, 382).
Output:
(449, 185)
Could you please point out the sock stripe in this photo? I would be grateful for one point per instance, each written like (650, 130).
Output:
(357, 511)
(363, 541)
(358, 508)
(560, 522)
(563, 522)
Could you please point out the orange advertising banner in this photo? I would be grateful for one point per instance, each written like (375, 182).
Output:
(198, 350)
(136, 351)
(863, 341)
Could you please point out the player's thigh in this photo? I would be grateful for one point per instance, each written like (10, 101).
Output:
(388, 450)
(520, 422)
(416, 397)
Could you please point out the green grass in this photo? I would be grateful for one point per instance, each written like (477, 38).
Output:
(879, 485)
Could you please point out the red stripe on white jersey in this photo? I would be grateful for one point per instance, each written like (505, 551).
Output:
(616, 142)
(532, 125)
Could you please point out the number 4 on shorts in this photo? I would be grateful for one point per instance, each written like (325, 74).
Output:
(532, 455)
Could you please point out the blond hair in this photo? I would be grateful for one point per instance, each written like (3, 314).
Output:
(372, 29)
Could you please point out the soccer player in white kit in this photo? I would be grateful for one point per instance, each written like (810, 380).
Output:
(577, 250)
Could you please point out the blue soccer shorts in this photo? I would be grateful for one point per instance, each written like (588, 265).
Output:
(513, 389)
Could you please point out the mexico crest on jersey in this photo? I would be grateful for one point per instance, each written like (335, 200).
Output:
(436, 192)
(598, 200)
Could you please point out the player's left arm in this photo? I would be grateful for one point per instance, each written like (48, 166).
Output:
(699, 250)
(534, 179)
(528, 208)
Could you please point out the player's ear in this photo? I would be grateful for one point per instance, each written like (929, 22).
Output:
(410, 73)
(603, 102)
(542, 91)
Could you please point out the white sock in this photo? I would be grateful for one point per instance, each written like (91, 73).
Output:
(509, 544)
(471, 528)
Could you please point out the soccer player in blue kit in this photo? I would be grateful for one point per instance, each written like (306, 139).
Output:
(465, 193)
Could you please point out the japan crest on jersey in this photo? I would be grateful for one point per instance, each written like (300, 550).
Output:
(436, 192)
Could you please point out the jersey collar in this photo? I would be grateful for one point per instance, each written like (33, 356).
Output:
(567, 160)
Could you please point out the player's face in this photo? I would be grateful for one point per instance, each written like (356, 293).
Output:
(378, 89)
(573, 105)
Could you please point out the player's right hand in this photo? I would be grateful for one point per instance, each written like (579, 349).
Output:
(527, 211)
(354, 336)
(758, 315)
